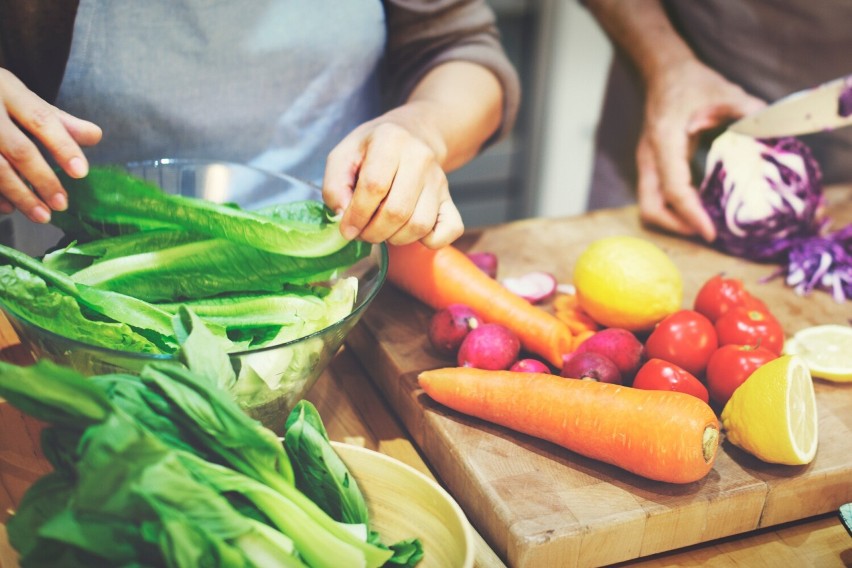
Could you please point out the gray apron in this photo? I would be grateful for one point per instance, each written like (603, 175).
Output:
(272, 83)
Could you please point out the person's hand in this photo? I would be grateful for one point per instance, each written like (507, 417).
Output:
(682, 102)
(386, 178)
(27, 182)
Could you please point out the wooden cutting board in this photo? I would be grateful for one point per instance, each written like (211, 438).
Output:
(539, 505)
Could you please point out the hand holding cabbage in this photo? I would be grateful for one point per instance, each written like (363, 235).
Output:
(765, 197)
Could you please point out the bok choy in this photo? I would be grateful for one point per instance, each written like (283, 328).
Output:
(112, 196)
(163, 469)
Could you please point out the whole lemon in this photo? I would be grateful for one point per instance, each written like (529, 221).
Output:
(627, 282)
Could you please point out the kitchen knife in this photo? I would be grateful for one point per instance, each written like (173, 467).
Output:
(824, 107)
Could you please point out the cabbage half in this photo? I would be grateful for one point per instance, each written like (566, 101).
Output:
(762, 194)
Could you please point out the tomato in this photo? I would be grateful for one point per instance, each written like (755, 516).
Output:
(685, 338)
(730, 366)
(741, 326)
(719, 294)
(657, 374)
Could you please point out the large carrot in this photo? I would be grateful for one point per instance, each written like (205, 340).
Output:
(447, 276)
(662, 435)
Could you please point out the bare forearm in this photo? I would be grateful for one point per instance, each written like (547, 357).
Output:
(642, 29)
(464, 103)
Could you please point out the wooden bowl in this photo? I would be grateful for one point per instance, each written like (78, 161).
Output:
(405, 503)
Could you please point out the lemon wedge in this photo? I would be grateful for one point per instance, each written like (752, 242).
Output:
(826, 350)
(773, 414)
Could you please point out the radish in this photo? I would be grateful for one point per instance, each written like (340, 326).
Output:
(530, 366)
(534, 287)
(590, 367)
(486, 261)
(489, 346)
(449, 326)
(620, 346)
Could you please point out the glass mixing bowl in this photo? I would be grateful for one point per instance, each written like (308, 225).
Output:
(271, 379)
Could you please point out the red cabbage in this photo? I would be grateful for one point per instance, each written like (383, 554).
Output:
(821, 263)
(844, 101)
(763, 195)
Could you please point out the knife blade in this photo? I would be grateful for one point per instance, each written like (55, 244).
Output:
(816, 109)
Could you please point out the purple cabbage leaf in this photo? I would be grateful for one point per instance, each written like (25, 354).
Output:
(821, 263)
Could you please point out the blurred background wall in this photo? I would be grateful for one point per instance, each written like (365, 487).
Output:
(543, 168)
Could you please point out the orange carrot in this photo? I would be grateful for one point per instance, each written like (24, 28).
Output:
(447, 276)
(566, 302)
(582, 336)
(662, 435)
(567, 308)
(578, 322)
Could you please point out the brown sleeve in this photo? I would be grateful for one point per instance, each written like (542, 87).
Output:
(422, 34)
(35, 40)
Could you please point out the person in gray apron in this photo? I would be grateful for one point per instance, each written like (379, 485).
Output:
(682, 70)
(373, 100)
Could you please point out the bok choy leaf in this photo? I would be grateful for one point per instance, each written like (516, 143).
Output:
(118, 307)
(212, 267)
(109, 195)
(130, 489)
(29, 297)
(320, 473)
(77, 256)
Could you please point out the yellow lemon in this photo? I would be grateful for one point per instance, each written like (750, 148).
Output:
(773, 414)
(627, 282)
(826, 349)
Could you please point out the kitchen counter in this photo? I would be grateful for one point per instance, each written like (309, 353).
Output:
(356, 410)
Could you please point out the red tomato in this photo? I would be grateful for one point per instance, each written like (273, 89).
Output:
(719, 294)
(741, 326)
(730, 366)
(657, 374)
(685, 338)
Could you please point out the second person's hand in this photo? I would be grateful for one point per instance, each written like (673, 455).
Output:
(682, 102)
(27, 181)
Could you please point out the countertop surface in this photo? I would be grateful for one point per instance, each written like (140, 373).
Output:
(356, 410)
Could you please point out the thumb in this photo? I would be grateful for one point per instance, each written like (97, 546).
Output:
(341, 174)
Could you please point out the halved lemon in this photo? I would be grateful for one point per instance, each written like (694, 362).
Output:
(826, 350)
(773, 414)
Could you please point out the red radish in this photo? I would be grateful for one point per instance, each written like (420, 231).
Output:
(490, 346)
(591, 367)
(619, 346)
(449, 326)
(486, 261)
(529, 366)
(534, 287)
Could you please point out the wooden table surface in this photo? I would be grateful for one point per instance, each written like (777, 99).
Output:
(355, 411)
